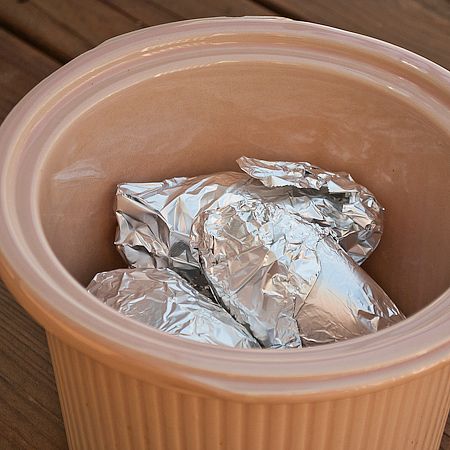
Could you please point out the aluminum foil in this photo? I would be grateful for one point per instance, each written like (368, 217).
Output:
(155, 219)
(266, 244)
(286, 279)
(331, 200)
(162, 299)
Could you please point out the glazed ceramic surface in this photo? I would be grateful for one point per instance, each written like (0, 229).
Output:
(189, 98)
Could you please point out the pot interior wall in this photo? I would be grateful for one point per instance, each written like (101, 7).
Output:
(201, 119)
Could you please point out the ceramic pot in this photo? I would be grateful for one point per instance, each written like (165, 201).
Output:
(189, 98)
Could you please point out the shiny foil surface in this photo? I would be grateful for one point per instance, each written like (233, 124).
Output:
(277, 245)
(332, 200)
(155, 219)
(285, 278)
(162, 299)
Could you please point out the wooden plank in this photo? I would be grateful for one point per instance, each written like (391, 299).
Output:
(30, 415)
(422, 26)
(22, 67)
(192, 9)
(145, 11)
(66, 29)
(445, 443)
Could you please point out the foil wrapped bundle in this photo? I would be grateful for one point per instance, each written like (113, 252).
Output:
(286, 279)
(155, 219)
(332, 200)
(277, 246)
(162, 299)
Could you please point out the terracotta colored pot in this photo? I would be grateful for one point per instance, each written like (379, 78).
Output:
(189, 98)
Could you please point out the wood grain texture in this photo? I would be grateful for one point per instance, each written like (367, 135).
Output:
(422, 26)
(191, 9)
(145, 11)
(30, 416)
(445, 443)
(66, 28)
(22, 67)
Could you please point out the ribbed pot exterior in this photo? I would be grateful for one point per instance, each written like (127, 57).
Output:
(106, 409)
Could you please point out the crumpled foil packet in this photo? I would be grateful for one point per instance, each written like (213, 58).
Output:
(278, 246)
(162, 299)
(285, 278)
(332, 200)
(155, 219)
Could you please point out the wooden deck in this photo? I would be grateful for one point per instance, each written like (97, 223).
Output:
(38, 36)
